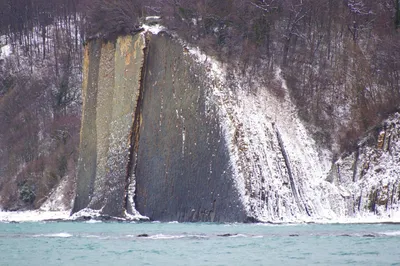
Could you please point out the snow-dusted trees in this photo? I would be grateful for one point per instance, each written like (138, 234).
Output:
(107, 19)
(335, 55)
(341, 61)
(39, 98)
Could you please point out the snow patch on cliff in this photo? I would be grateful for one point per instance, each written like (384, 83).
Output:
(251, 117)
(5, 51)
(283, 180)
(154, 29)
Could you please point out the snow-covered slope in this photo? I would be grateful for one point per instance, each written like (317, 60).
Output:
(281, 172)
(369, 178)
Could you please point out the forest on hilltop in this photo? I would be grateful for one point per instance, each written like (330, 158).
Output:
(340, 58)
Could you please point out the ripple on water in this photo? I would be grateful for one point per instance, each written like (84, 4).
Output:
(186, 244)
(62, 235)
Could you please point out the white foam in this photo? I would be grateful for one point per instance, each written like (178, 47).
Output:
(238, 235)
(162, 236)
(390, 233)
(92, 236)
(62, 235)
(93, 222)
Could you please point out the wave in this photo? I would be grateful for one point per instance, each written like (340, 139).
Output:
(62, 235)
(390, 233)
(93, 221)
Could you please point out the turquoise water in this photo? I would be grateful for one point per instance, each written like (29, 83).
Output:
(73, 243)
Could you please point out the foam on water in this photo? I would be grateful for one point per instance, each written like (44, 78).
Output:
(162, 236)
(199, 244)
(62, 235)
(390, 233)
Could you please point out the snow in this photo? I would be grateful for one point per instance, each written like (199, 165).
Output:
(251, 118)
(57, 200)
(32, 216)
(155, 29)
(153, 17)
(249, 127)
(5, 51)
(258, 128)
(97, 214)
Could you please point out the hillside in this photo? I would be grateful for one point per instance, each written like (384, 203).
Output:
(295, 86)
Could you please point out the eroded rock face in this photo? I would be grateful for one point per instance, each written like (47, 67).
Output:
(112, 84)
(171, 134)
(369, 178)
(146, 129)
(183, 168)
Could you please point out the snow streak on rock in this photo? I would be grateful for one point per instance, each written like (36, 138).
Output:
(369, 178)
(279, 170)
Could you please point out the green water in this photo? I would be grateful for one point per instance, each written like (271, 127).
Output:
(73, 243)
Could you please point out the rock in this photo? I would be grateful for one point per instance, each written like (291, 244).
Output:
(369, 235)
(227, 235)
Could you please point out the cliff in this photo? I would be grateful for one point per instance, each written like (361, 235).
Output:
(369, 177)
(170, 133)
(146, 128)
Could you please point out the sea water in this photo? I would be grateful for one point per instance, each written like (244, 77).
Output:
(152, 243)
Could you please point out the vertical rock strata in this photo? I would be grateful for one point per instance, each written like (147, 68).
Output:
(164, 134)
(369, 177)
(183, 169)
(110, 100)
(104, 112)
(147, 129)
(87, 163)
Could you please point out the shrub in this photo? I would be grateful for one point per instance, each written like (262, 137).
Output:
(108, 19)
(27, 193)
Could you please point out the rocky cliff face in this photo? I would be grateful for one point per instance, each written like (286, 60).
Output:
(146, 129)
(111, 90)
(369, 178)
(170, 133)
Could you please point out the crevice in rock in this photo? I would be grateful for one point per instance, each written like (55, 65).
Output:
(359, 202)
(290, 174)
(134, 138)
(357, 155)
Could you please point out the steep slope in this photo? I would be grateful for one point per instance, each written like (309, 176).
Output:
(111, 90)
(182, 138)
(369, 178)
(146, 128)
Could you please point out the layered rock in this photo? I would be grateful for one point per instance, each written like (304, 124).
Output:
(112, 75)
(146, 128)
(369, 178)
(170, 133)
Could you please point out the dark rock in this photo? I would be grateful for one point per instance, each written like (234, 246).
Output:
(83, 218)
(369, 235)
(251, 219)
(177, 151)
(227, 235)
(183, 168)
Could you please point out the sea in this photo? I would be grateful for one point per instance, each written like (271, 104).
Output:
(155, 243)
